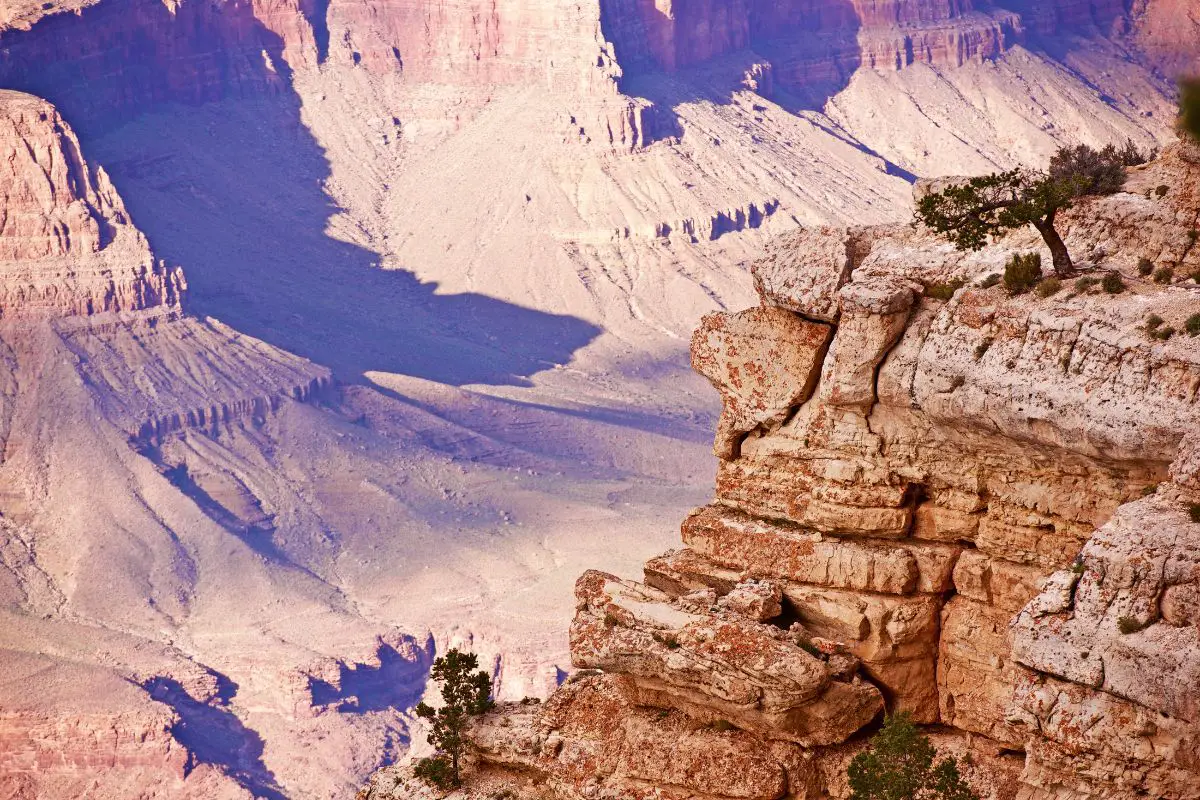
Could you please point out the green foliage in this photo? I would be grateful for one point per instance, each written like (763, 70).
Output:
(899, 765)
(1129, 625)
(1149, 490)
(1153, 321)
(944, 291)
(723, 725)
(1085, 283)
(1192, 326)
(990, 281)
(1022, 272)
(436, 771)
(1195, 275)
(1095, 172)
(1161, 190)
(969, 213)
(1163, 333)
(1164, 275)
(1189, 107)
(1145, 266)
(1112, 283)
(1048, 287)
(466, 692)
(1194, 512)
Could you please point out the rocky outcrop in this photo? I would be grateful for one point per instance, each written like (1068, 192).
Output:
(944, 507)
(66, 244)
(111, 753)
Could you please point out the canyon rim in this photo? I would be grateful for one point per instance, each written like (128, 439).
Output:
(336, 334)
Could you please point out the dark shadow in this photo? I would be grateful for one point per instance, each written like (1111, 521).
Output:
(394, 683)
(213, 735)
(232, 189)
(784, 48)
(318, 17)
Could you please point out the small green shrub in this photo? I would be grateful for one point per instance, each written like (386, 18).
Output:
(1195, 275)
(1112, 283)
(436, 771)
(1153, 321)
(1192, 326)
(1129, 625)
(1164, 275)
(723, 725)
(1194, 512)
(1048, 287)
(1022, 272)
(1148, 490)
(1162, 190)
(1164, 333)
(1145, 266)
(990, 280)
(944, 290)
(1084, 283)
(811, 649)
(1077, 566)
(899, 765)
(982, 348)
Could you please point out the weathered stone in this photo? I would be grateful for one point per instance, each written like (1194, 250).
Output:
(975, 680)
(755, 600)
(764, 361)
(739, 542)
(995, 581)
(733, 668)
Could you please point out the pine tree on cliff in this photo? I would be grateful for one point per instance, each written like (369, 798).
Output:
(898, 765)
(1189, 107)
(466, 692)
(969, 213)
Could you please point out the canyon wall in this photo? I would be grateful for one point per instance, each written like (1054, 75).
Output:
(976, 510)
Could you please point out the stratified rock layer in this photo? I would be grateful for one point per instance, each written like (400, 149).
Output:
(983, 507)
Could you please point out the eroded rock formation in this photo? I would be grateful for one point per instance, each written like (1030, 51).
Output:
(981, 512)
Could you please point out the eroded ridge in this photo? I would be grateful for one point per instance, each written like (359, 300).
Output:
(977, 509)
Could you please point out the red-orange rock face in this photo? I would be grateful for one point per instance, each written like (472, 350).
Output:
(970, 511)
(66, 244)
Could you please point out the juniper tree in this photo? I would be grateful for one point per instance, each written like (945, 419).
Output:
(1189, 107)
(969, 213)
(466, 692)
(898, 765)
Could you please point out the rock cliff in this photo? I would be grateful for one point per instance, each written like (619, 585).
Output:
(973, 506)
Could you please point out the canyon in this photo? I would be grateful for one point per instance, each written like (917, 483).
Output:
(974, 509)
(336, 334)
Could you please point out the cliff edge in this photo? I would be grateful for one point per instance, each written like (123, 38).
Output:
(975, 509)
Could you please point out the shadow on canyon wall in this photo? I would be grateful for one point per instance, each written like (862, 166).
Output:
(193, 115)
(214, 735)
(395, 683)
(794, 54)
(804, 52)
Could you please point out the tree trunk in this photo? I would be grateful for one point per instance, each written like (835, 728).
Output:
(1058, 248)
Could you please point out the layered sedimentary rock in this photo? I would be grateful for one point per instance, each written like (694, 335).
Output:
(983, 508)
(104, 380)
(66, 244)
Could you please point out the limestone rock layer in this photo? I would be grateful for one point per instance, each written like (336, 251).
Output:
(981, 511)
